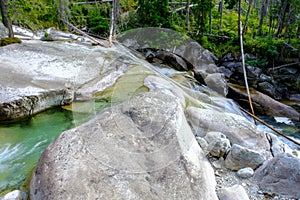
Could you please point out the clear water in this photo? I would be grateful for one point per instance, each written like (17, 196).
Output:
(22, 143)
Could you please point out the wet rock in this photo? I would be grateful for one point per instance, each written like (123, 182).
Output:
(3, 31)
(225, 71)
(140, 149)
(236, 192)
(240, 157)
(217, 82)
(277, 146)
(218, 144)
(172, 60)
(280, 175)
(267, 88)
(245, 172)
(15, 195)
(236, 128)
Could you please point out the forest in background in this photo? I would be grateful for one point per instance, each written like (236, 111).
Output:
(271, 28)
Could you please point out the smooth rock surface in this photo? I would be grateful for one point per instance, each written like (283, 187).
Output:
(280, 175)
(236, 192)
(236, 128)
(240, 157)
(49, 73)
(141, 149)
(217, 82)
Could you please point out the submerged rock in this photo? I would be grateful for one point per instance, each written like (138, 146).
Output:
(141, 149)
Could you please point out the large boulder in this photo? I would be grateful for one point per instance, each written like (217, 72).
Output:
(280, 175)
(140, 149)
(236, 128)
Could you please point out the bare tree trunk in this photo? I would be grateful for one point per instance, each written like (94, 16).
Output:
(247, 16)
(187, 18)
(262, 16)
(281, 18)
(221, 12)
(289, 22)
(5, 19)
(210, 21)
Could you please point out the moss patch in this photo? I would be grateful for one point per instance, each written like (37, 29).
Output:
(7, 41)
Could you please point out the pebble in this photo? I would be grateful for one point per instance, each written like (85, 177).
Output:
(245, 172)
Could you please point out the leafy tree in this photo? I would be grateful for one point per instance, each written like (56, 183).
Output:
(154, 13)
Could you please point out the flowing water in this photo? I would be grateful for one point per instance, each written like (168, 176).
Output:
(22, 143)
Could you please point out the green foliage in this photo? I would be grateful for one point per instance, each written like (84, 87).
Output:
(154, 13)
(34, 14)
(7, 41)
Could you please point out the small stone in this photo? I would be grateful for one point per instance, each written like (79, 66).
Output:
(245, 172)
(240, 157)
(15, 195)
(218, 144)
(236, 192)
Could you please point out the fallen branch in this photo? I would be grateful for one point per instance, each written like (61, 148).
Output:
(182, 8)
(270, 127)
(281, 66)
(219, 36)
(83, 33)
(91, 2)
(290, 46)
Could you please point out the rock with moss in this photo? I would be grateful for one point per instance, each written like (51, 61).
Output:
(8, 41)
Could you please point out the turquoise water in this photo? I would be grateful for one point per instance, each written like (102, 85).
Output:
(22, 143)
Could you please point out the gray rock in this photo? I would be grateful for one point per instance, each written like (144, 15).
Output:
(280, 175)
(236, 128)
(267, 88)
(277, 146)
(15, 195)
(195, 54)
(225, 71)
(245, 172)
(3, 31)
(217, 82)
(211, 69)
(172, 60)
(49, 73)
(265, 78)
(218, 144)
(236, 192)
(240, 157)
(140, 149)
(202, 142)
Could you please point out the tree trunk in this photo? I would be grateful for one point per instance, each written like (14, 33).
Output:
(247, 16)
(262, 16)
(210, 21)
(187, 17)
(221, 12)
(5, 19)
(290, 20)
(281, 18)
